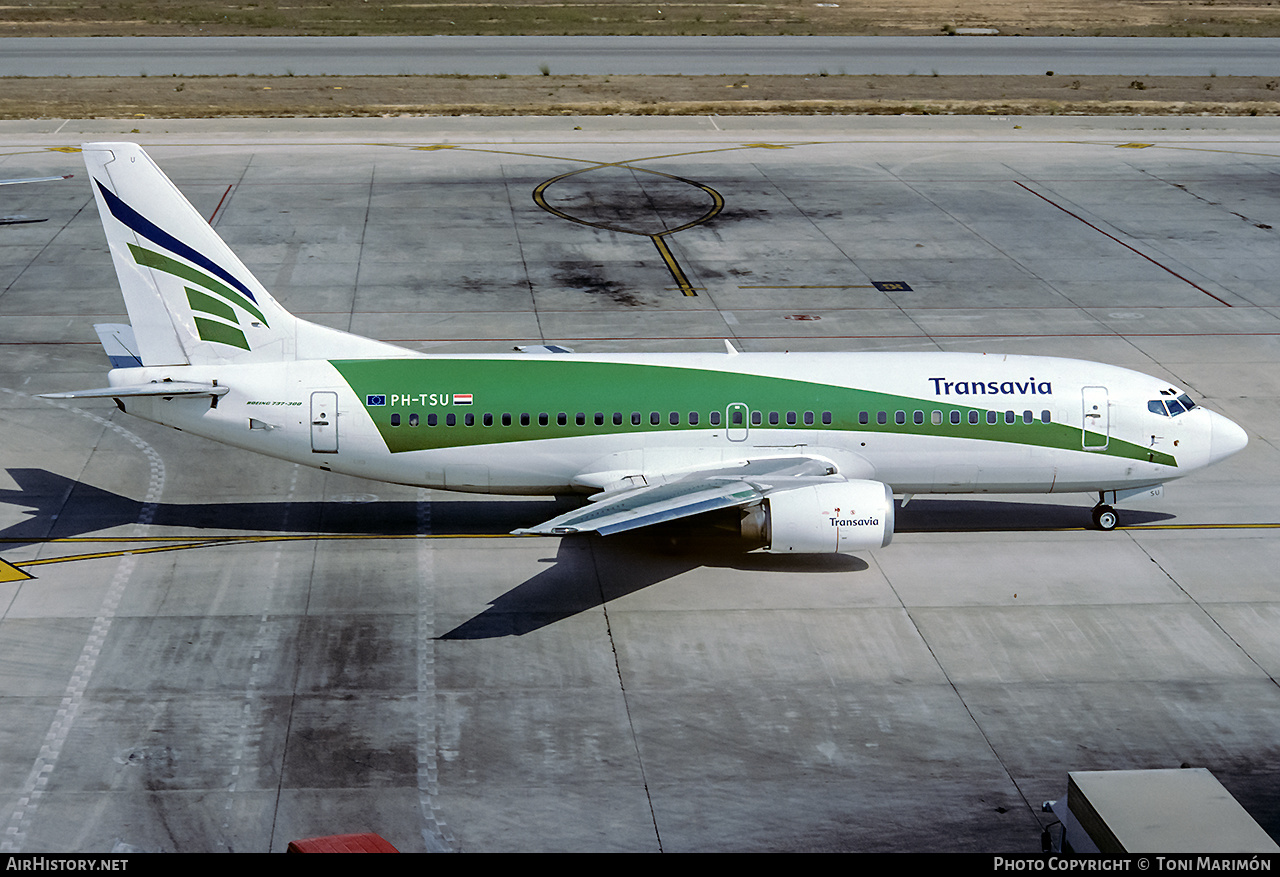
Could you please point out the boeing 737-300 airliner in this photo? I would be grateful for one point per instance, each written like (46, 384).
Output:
(807, 448)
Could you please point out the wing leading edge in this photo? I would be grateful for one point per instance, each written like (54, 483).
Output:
(734, 485)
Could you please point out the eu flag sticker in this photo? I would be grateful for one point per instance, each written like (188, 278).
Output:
(374, 401)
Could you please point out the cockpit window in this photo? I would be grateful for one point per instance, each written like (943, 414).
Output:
(1177, 406)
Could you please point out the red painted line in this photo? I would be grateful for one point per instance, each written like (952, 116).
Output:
(220, 203)
(1123, 244)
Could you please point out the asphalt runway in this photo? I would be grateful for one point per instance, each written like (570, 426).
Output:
(687, 55)
(206, 651)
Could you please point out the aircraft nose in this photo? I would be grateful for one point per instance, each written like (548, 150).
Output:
(1225, 437)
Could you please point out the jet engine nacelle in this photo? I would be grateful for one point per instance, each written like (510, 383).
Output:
(826, 518)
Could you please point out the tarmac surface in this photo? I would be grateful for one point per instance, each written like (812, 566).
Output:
(595, 55)
(220, 652)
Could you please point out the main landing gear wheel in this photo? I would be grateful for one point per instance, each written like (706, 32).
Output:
(1105, 518)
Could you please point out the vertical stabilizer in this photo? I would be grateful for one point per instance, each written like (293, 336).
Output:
(190, 298)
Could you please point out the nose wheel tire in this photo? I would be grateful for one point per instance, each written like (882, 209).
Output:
(1104, 518)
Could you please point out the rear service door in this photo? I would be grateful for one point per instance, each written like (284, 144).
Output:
(324, 422)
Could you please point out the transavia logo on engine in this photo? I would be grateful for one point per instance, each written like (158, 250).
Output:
(838, 521)
(376, 400)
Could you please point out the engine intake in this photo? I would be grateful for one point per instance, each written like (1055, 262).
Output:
(830, 518)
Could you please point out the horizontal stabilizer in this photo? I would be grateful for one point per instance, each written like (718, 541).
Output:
(165, 389)
(36, 180)
(118, 341)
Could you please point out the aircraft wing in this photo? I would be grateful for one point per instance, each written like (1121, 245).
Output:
(725, 486)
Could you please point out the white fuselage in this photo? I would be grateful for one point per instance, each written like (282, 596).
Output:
(1059, 425)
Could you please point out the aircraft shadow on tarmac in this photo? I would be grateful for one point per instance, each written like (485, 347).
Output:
(589, 572)
(584, 574)
(60, 507)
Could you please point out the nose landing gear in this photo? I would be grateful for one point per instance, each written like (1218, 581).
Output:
(1104, 517)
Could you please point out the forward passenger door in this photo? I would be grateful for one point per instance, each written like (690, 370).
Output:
(1096, 431)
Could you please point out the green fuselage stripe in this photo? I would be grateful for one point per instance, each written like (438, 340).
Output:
(412, 389)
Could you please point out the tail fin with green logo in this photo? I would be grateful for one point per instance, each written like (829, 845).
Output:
(191, 301)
